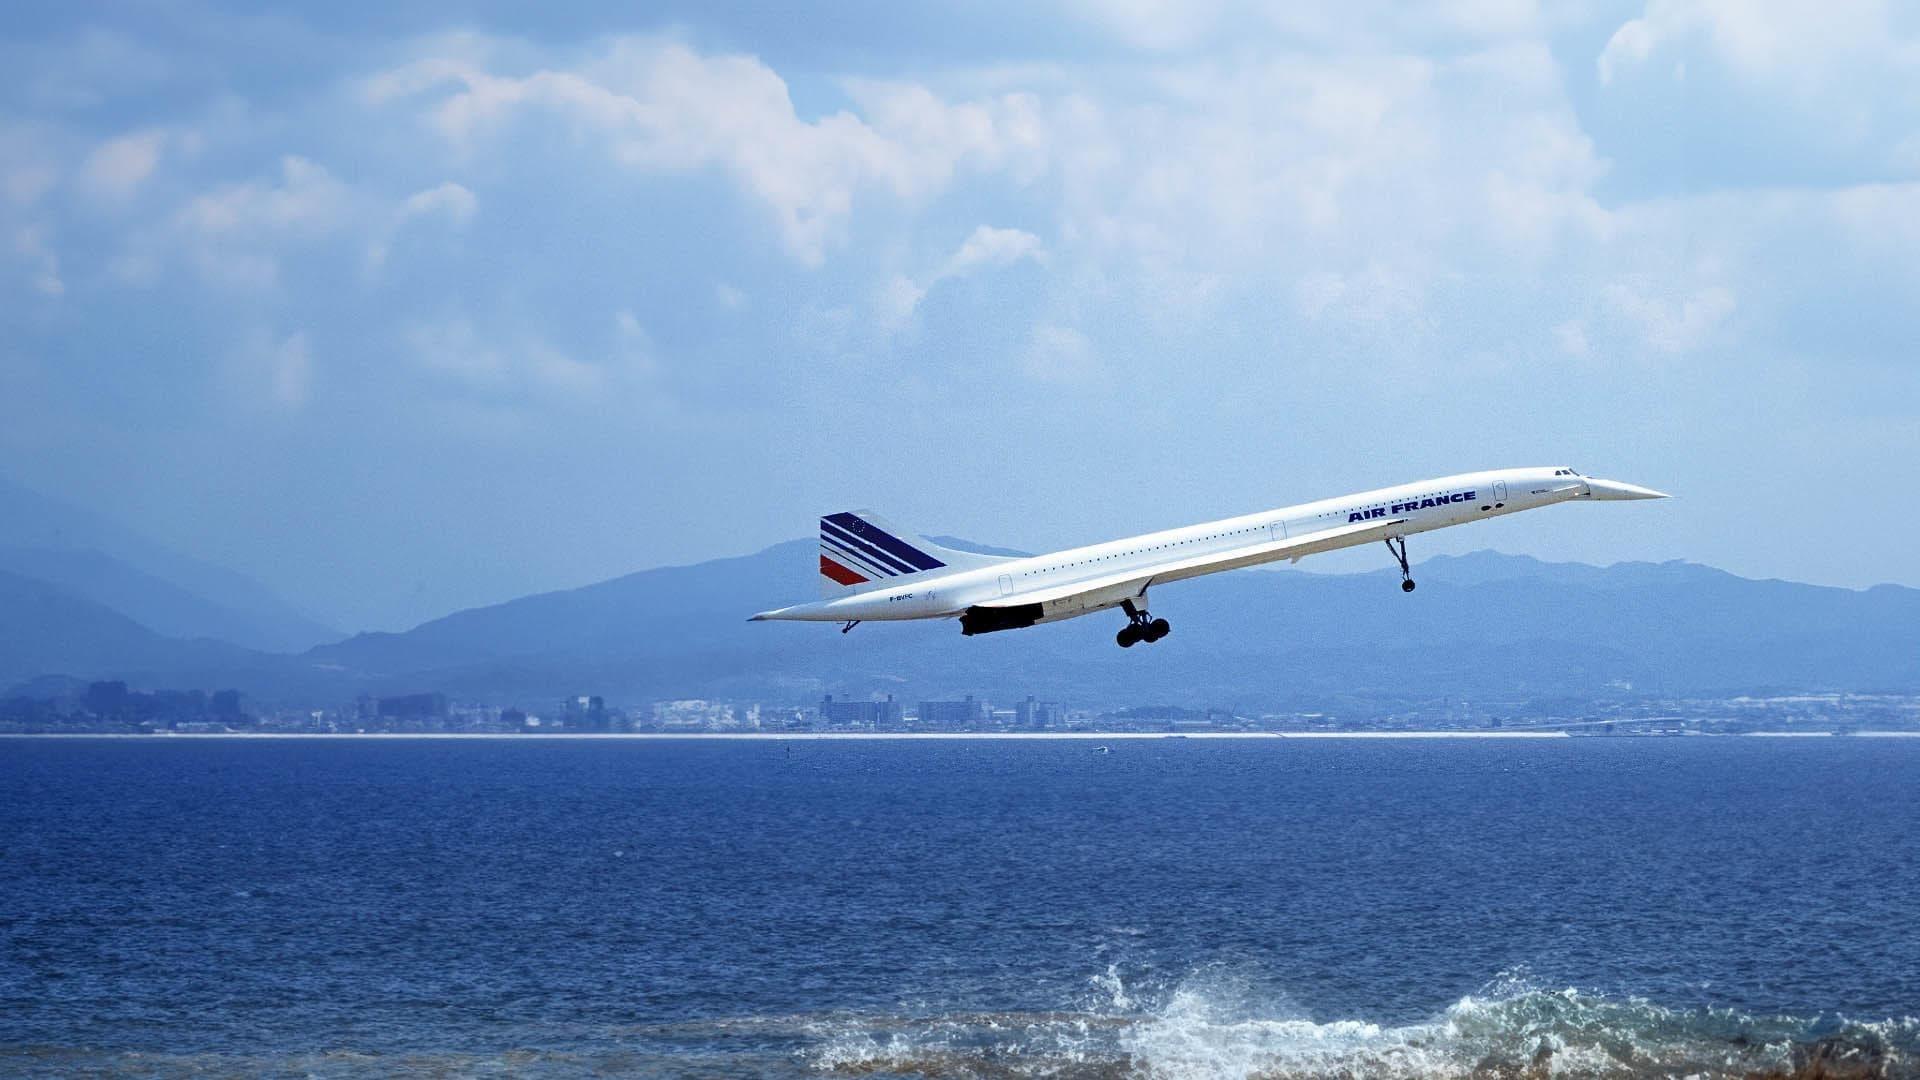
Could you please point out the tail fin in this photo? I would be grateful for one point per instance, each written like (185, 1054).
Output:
(859, 550)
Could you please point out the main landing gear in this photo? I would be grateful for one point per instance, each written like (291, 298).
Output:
(1141, 626)
(1400, 553)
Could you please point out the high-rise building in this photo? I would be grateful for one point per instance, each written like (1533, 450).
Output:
(1035, 715)
(413, 706)
(953, 715)
(106, 698)
(585, 713)
(863, 714)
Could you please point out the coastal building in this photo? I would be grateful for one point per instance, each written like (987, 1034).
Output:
(412, 706)
(965, 714)
(1036, 715)
(873, 715)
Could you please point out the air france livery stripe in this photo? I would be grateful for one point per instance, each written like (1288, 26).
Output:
(852, 544)
(893, 545)
(854, 551)
(840, 573)
(845, 556)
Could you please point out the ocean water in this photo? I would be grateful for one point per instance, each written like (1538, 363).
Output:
(1179, 908)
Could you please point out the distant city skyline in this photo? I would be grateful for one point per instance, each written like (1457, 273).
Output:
(404, 312)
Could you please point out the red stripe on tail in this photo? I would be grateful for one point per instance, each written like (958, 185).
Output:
(840, 573)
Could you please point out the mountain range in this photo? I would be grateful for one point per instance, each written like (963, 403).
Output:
(89, 557)
(1484, 627)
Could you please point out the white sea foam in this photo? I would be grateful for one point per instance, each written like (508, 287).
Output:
(1215, 1024)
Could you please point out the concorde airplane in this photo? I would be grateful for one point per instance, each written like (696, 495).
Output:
(870, 570)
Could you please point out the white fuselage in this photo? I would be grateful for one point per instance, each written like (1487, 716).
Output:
(1413, 508)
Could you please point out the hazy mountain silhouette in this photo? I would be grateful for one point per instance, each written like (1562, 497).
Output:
(1481, 626)
(1484, 627)
(89, 556)
(45, 629)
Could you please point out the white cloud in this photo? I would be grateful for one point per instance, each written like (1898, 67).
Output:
(633, 347)
(237, 234)
(306, 199)
(988, 246)
(1799, 81)
(1671, 323)
(1229, 176)
(24, 184)
(290, 367)
(117, 167)
(452, 203)
(271, 371)
(1165, 26)
(1058, 354)
(43, 265)
(453, 348)
(1880, 217)
(1798, 41)
(895, 302)
(523, 369)
(658, 107)
(1373, 295)
(449, 200)
(1572, 337)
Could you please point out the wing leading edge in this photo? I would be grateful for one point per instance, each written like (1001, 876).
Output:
(1211, 563)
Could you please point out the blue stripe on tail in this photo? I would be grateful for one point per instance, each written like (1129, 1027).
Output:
(887, 542)
(866, 564)
(830, 533)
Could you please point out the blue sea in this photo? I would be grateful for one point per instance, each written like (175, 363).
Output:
(967, 908)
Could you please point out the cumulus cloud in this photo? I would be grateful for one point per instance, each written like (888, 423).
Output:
(988, 246)
(290, 371)
(1365, 202)
(306, 198)
(273, 372)
(661, 107)
(521, 368)
(29, 167)
(985, 248)
(237, 234)
(43, 265)
(1799, 85)
(1059, 354)
(25, 183)
(1797, 40)
(1668, 323)
(1166, 26)
(633, 348)
(449, 200)
(117, 167)
(455, 349)
(1571, 336)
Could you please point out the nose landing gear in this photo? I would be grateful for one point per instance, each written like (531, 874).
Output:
(1141, 626)
(1400, 553)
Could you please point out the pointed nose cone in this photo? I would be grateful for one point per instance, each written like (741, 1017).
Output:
(1615, 489)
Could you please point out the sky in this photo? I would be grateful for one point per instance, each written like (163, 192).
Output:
(403, 311)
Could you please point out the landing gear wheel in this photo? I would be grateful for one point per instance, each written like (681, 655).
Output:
(1400, 556)
(1141, 626)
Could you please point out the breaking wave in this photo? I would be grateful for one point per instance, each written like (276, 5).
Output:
(1215, 1023)
(1211, 1025)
